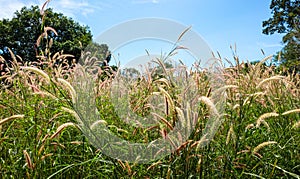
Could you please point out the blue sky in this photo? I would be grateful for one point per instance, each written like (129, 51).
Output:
(221, 23)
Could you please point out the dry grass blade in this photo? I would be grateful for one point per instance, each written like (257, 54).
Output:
(64, 56)
(98, 122)
(28, 160)
(229, 62)
(37, 71)
(45, 156)
(236, 106)
(69, 87)
(183, 146)
(230, 135)
(264, 60)
(257, 94)
(198, 144)
(179, 47)
(61, 128)
(128, 168)
(162, 65)
(11, 118)
(210, 104)
(262, 51)
(265, 116)
(45, 138)
(291, 111)
(262, 145)
(2, 60)
(222, 89)
(38, 41)
(243, 151)
(163, 80)
(198, 168)
(169, 173)
(154, 165)
(76, 142)
(266, 125)
(269, 79)
(148, 54)
(163, 120)
(41, 149)
(42, 11)
(167, 95)
(249, 126)
(122, 164)
(73, 113)
(151, 128)
(50, 29)
(13, 56)
(182, 34)
(58, 144)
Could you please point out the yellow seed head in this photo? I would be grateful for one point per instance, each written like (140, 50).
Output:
(28, 159)
(98, 122)
(262, 145)
(69, 87)
(37, 71)
(269, 79)
(210, 104)
(265, 116)
(61, 128)
(291, 111)
(72, 112)
(250, 126)
(11, 118)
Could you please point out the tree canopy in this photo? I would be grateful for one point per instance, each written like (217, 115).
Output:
(20, 34)
(286, 20)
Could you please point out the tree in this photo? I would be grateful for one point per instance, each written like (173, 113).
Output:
(99, 51)
(20, 34)
(286, 20)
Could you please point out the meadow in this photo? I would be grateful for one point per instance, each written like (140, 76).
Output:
(41, 135)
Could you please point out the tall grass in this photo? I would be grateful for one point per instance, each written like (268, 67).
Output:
(40, 135)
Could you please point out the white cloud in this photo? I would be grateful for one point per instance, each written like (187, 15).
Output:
(72, 8)
(8, 8)
(69, 8)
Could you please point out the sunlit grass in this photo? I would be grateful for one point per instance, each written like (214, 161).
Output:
(41, 136)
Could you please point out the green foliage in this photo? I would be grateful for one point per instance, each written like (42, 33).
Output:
(20, 34)
(97, 51)
(291, 52)
(286, 19)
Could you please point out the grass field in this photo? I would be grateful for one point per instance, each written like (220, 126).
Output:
(42, 133)
(258, 138)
